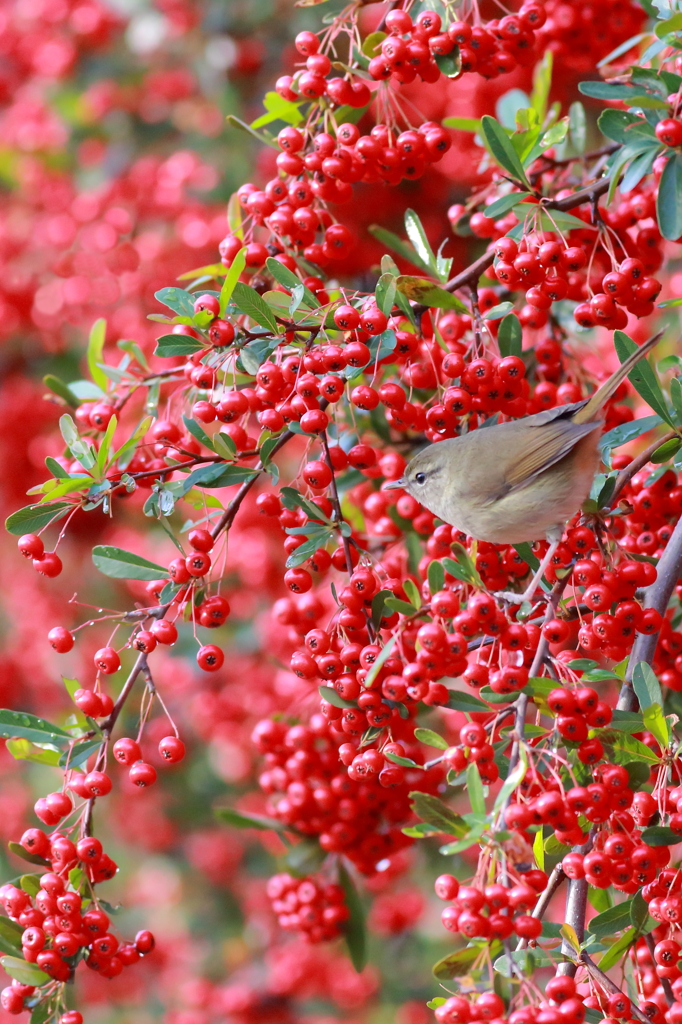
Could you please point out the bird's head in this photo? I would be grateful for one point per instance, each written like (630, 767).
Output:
(424, 478)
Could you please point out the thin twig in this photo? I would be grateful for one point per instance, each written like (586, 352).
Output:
(609, 985)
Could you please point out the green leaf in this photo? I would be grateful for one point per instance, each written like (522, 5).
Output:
(418, 289)
(80, 752)
(27, 974)
(670, 25)
(32, 858)
(542, 81)
(23, 750)
(524, 960)
(623, 48)
(639, 911)
(34, 518)
(278, 109)
(624, 127)
(394, 604)
(265, 138)
(613, 955)
(231, 278)
(676, 395)
(628, 721)
(177, 299)
(657, 724)
(669, 200)
(304, 858)
(105, 446)
(628, 432)
(435, 576)
(29, 727)
(355, 928)
(249, 301)
(628, 748)
(119, 564)
(504, 204)
(514, 779)
(646, 686)
(660, 835)
(638, 774)
(431, 738)
(577, 127)
(329, 694)
(214, 270)
(463, 124)
(378, 606)
(238, 819)
(374, 670)
(198, 432)
(402, 248)
(10, 936)
(58, 387)
(417, 235)
(384, 293)
(475, 789)
(454, 965)
(666, 451)
(217, 474)
(170, 345)
(502, 150)
(607, 90)
(463, 569)
(406, 762)
(461, 701)
(612, 920)
(642, 377)
(430, 809)
(498, 311)
(412, 591)
(569, 935)
(510, 336)
(94, 353)
(302, 553)
(450, 64)
(286, 277)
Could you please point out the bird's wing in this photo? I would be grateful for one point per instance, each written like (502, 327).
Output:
(544, 446)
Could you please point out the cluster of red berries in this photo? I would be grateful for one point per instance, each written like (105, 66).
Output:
(550, 272)
(314, 911)
(58, 923)
(358, 810)
(493, 49)
(581, 33)
(508, 907)
(47, 563)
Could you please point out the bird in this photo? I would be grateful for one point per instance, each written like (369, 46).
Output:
(519, 481)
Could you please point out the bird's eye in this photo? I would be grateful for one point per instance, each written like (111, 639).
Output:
(420, 478)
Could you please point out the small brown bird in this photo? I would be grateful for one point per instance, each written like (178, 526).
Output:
(517, 481)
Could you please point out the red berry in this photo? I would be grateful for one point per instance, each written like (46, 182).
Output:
(172, 749)
(61, 639)
(142, 775)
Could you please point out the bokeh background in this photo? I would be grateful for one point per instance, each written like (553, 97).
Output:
(116, 165)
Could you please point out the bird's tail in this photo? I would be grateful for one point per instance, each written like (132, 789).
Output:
(594, 404)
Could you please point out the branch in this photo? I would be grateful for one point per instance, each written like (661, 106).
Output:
(638, 463)
(656, 596)
(609, 985)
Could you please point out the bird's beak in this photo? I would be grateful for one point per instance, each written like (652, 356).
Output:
(395, 485)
